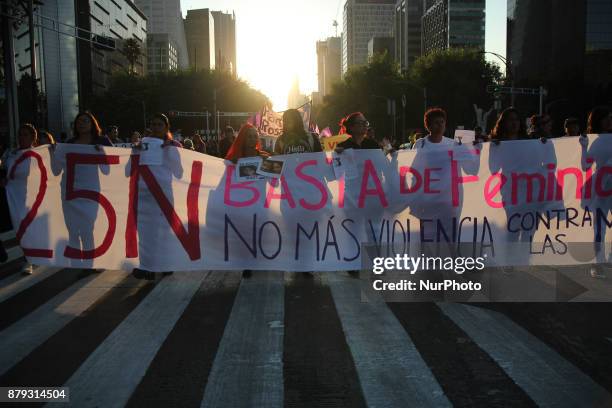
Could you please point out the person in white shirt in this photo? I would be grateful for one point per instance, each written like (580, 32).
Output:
(435, 123)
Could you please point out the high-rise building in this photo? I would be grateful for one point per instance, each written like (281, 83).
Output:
(296, 98)
(408, 14)
(329, 60)
(598, 53)
(551, 49)
(225, 41)
(162, 54)
(362, 20)
(78, 46)
(381, 45)
(200, 34)
(111, 22)
(164, 17)
(56, 74)
(568, 50)
(453, 23)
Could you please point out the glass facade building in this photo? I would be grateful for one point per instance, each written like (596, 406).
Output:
(408, 14)
(453, 23)
(110, 22)
(78, 46)
(165, 17)
(362, 20)
(162, 54)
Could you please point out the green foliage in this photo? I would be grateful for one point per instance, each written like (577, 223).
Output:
(456, 79)
(365, 89)
(190, 91)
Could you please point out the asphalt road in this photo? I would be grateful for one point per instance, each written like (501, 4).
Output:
(217, 339)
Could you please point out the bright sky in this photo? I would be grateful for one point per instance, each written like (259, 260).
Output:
(276, 39)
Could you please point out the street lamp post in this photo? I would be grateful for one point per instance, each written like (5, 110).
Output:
(33, 63)
(508, 65)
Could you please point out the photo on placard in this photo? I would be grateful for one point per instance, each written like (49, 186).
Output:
(271, 168)
(247, 169)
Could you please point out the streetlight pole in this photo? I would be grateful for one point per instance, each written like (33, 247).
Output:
(215, 113)
(508, 72)
(33, 62)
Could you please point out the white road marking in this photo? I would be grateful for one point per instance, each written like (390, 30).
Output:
(391, 371)
(18, 282)
(248, 367)
(112, 372)
(549, 379)
(21, 338)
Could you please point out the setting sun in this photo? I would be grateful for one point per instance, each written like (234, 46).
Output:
(276, 42)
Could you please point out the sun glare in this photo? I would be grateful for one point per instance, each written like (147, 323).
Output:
(273, 52)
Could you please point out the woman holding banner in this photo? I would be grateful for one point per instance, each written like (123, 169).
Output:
(599, 122)
(160, 129)
(27, 137)
(356, 126)
(86, 130)
(294, 138)
(247, 144)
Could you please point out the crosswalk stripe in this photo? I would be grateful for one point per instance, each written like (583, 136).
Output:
(248, 368)
(391, 370)
(318, 368)
(545, 376)
(189, 351)
(17, 283)
(111, 373)
(14, 253)
(8, 235)
(20, 338)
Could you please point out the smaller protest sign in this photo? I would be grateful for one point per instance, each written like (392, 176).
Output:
(271, 168)
(247, 169)
(344, 165)
(465, 136)
(152, 153)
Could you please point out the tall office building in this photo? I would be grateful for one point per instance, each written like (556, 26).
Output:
(362, 20)
(329, 64)
(111, 23)
(162, 55)
(546, 43)
(295, 98)
(200, 34)
(381, 45)
(78, 47)
(408, 14)
(164, 17)
(568, 50)
(453, 23)
(57, 76)
(225, 41)
(598, 53)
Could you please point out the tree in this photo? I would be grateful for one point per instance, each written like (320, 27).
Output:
(455, 80)
(189, 91)
(367, 89)
(132, 52)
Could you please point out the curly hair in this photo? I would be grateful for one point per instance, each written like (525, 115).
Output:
(431, 114)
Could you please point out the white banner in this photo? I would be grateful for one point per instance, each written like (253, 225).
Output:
(76, 206)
